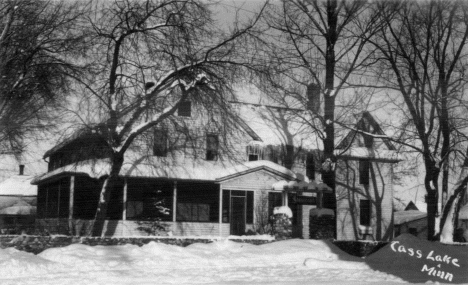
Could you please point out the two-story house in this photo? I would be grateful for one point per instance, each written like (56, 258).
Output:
(200, 181)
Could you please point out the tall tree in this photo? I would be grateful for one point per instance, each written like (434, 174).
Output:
(37, 39)
(148, 58)
(422, 61)
(313, 52)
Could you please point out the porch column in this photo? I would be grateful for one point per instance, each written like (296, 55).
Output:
(124, 200)
(285, 198)
(220, 210)
(174, 202)
(70, 204)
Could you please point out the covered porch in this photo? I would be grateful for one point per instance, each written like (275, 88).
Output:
(221, 202)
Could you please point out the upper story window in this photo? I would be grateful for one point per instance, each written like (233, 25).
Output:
(364, 169)
(160, 142)
(185, 109)
(364, 212)
(255, 150)
(212, 145)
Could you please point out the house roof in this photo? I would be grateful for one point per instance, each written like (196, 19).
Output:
(18, 185)
(279, 126)
(366, 123)
(180, 169)
(402, 217)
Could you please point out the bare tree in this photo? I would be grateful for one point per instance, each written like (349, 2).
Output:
(148, 58)
(37, 40)
(421, 60)
(314, 51)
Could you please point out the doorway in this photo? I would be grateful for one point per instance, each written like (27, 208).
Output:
(237, 216)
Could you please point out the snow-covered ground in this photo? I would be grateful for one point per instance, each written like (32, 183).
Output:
(220, 262)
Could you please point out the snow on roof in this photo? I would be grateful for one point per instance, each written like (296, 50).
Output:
(19, 185)
(285, 210)
(276, 126)
(402, 217)
(184, 169)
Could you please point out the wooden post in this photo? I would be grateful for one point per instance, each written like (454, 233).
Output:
(220, 210)
(174, 202)
(70, 206)
(124, 200)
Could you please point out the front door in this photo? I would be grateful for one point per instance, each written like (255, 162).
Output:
(237, 216)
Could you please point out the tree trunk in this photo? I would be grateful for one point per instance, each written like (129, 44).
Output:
(97, 228)
(432, 196)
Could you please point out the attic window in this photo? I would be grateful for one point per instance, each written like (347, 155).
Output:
(185, 109)
(212, 144)
(160, 142)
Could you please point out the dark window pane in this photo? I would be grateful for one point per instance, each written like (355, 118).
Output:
(199, 202)
(160, 143)
(149, 199)
(364, 212)
(212, 144)
(310, 166)
(364, 167)
(87, 191)
(185, 109)
(250, 207)
(274, 200)
(253, 157)
(226, 205)
(115, 204)
(64, 197)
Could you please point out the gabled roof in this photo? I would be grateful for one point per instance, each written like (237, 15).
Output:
(368, 124)
(411, 206)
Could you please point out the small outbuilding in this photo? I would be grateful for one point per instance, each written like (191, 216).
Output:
(18, 199)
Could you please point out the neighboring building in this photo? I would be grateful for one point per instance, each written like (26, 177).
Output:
(17, 204)
(364, 183)
(206, 189)
(411, 221)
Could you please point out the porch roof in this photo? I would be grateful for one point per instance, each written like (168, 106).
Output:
(182, 169)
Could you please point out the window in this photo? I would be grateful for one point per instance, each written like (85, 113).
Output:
(253, 157)
(310, 166)
(197, 202)
(185, 109)
(364, 168)
(149, 199)
(160, 143)
(53, 199)
(249, 204)
(212, 144)
(275, 199)
(365, 212)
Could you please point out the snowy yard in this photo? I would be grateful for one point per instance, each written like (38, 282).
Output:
(220, 262)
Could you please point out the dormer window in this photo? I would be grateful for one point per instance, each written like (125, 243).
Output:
(185, 108)
(160, 142)
(212, 145)
(255, 150)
